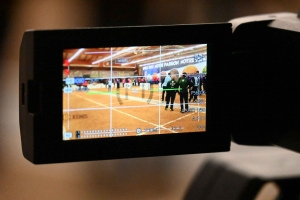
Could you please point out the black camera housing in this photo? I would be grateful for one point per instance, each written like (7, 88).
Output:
(41, 96)
(265, 80)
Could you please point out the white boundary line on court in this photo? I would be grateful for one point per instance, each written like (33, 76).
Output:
(124, 107)
(110, 88)
(156, 125)
(187, 115)
(170, 123)
(159, 97)
(152, 104)
(119, 111)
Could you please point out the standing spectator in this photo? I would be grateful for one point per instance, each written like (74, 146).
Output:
(118, 83)
(172, 86)
(184, 85)
(204, 83)
(109, 84)
(164, 85)
(139, 80)
(196, 88)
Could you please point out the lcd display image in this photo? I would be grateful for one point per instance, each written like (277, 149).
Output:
(133, 91)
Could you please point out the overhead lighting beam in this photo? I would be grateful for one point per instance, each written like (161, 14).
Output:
(75, 55)
(114, 55)
(99, 52)
(166, 54)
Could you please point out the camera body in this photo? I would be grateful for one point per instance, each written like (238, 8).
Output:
(79, 100)
(265, 61)
(244, 82)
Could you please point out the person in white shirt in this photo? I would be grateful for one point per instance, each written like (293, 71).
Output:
(164, 85)
(109, 84)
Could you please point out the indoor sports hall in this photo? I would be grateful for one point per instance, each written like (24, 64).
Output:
(118, 91)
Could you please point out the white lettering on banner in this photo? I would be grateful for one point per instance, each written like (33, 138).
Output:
(160, 65)
(171, 63)
(176, 62)
(187, 60)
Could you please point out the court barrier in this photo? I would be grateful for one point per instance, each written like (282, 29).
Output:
(143, 86)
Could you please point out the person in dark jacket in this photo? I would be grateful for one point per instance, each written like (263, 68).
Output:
(184, 85)
(204, 83)
(171, 89)
(196, 88)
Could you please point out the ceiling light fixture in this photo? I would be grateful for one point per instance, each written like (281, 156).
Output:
(75, 55)
(114, 55)
(161, 55)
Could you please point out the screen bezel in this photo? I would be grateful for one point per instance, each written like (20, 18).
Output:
(42, 50)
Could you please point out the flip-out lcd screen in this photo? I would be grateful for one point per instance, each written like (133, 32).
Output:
(133, 91)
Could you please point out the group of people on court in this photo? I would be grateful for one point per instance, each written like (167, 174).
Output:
(184, 87)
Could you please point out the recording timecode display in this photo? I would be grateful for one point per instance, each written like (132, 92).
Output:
(133, 91)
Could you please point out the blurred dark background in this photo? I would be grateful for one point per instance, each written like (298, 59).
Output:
(140, 178)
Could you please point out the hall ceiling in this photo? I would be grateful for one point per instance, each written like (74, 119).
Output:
(127, 57)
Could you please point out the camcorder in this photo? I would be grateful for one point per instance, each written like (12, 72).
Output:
(140, 91)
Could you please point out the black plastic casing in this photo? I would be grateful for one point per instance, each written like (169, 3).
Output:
(41, 94)
(265, 81)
